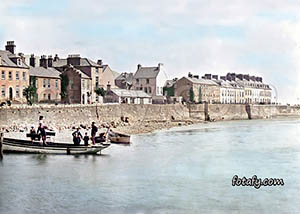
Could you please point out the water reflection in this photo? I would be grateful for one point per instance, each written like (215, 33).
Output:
(183, 170)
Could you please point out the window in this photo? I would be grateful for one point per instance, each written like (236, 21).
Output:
(137, 80)
(44, 84)
(146, 90)
(71, 84)
(48, 83)
(3, 75)
(148, 81)
(3, 90)
(56, 83)
(44, 96)
(19, 61)
(24, 76)
(97, 82)
(150, 90)
(10, 75)
(49, 96)
(17, 75)
(17, 91)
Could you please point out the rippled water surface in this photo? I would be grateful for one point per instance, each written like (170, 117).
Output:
(183, 170)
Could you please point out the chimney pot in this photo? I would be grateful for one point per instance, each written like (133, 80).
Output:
(11, 47)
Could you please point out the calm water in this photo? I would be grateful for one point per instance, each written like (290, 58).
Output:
(183, 170)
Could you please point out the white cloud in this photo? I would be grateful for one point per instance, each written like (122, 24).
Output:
(270, 29)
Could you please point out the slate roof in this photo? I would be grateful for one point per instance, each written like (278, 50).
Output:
(84, 62)
(146, 72)
(44, 72)
(125, 77)
(170, 83)
(202, 81)
(83, 75)
(59, 63)
(6, 60)
(130, 93)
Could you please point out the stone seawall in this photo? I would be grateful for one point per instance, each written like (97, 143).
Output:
(241, 111)
(142, 118)
(74, 115)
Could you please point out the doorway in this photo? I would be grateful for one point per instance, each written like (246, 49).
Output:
(10, 93)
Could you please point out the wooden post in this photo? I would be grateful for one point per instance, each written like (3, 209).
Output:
(1, 146)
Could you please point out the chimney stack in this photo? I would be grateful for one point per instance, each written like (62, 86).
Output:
(240, 76)
(44, 61)
(246, 77)
(100, 62)
(215, 77)
(196, 76)
(56, 58)
(190, 75)
(11, 47)
(74, 59)
(223, 78)
(32, 60)
(50, 61)
(207, 76)
(139, 66)
(253, 78)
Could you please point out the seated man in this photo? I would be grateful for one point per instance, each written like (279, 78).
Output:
(77, 137)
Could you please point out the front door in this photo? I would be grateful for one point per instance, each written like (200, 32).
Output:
(10, 93)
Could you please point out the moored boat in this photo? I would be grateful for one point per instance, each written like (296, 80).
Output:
(11, 145)
(115, 137)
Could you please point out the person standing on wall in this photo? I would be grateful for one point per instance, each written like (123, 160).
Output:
(94, 132)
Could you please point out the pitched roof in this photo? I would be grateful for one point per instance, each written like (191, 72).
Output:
(170, 83)
(82, 74)
(130, 93)
(44, 72)
(59, 62)
(115, 74)
(84, 62)
(146, 72)
(125, 77)
(201, 81)
(6, 60)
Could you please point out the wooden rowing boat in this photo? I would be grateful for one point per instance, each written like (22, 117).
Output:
(25, 146)
(115, 137)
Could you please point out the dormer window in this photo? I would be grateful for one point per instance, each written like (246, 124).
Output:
(18, 61)
(137, 80)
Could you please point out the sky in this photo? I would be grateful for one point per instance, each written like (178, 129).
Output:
(257, 37)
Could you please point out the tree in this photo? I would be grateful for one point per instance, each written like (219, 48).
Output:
(30, 94)
(191, 95)
(64, 85)
(200, 95)
(100, 92)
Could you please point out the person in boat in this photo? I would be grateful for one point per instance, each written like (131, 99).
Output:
(42, 132)
(94, 132)
(32, 133)
(86, 139)
(41, 120)
(77, 137)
